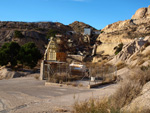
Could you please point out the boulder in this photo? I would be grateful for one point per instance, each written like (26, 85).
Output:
(140, 13)
(128, 51)
(7, 73)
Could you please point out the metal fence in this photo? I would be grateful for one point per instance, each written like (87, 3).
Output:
(64, 72)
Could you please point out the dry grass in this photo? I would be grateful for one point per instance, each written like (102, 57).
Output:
(94, 106)
(121, 65)
(125, 94)
(109, 79)
(140, 61)
(134, 57)
(128, 90)
(61, 110)
(37, 77)
(80, 85)
(68, 83)
(74, 84)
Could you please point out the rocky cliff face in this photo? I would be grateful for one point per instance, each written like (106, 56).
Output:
(125, 31)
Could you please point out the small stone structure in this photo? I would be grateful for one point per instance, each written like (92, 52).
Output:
(52, 52)
(52, 55)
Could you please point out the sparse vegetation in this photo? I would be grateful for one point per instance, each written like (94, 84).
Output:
(128, 91)
(51, 33)
(18, 34)
(37, 77)
(94, 106)
(121, 65)
(118, 48)
(140, 61)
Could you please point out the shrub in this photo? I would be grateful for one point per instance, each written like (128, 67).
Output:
(9, 54)
(29, 55)
(51, 33)
(18, 34)
(118, 48)
(94, 106)
(37, 77)
(12, 53)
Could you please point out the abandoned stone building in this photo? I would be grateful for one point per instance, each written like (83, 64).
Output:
(52, 52)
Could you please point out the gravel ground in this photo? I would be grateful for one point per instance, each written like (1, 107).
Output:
(28, 95)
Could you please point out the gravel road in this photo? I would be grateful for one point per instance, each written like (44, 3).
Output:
(28, 95)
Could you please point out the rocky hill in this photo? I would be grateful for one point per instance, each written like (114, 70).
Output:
(125, 31)
(142, 13)
(37, 32)
(79, 26)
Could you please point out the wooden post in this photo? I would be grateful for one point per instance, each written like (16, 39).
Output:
(42, 70)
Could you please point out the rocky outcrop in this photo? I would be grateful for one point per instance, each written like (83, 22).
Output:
(6, 73)
(79, 26)
(134, 54)
(142, 13)
(125, 31)
(128, 51)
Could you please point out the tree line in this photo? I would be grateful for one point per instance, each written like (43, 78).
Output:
(12, 53)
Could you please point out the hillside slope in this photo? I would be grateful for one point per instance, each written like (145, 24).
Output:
(124, 31)
(37, 32)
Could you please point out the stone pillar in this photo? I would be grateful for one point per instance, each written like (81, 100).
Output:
(42, 70)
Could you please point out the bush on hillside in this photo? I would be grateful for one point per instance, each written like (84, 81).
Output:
(51, 33)
(118, 48)
(18, 34)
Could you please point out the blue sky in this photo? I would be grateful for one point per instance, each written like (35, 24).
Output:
(97, 13)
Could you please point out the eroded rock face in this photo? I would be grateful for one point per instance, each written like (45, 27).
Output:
(140, 13)
(125, 31)
(128, 51)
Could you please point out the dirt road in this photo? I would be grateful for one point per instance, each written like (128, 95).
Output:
(28, 95)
